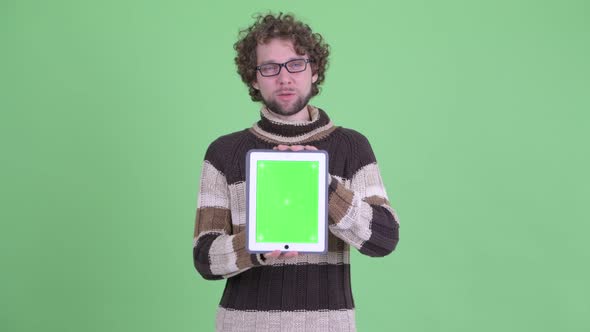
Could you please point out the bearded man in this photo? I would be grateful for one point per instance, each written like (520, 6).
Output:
(283, 64)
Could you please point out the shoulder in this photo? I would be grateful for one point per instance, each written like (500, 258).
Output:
(224, 148)
(356, 145)
(351, 151)
(223, 142)
(352, 137)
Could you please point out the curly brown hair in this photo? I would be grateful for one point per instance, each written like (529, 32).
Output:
(280, 26)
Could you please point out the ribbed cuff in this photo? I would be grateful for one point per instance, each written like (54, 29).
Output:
(244, 259)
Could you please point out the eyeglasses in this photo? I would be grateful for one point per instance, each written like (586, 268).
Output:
(273, 69)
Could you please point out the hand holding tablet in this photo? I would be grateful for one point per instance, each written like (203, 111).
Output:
(282, 147)
(287, 200)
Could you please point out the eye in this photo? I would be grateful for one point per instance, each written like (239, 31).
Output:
(269, 68)
(296, 65)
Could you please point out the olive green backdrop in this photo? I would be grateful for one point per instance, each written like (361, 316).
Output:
(477, 112)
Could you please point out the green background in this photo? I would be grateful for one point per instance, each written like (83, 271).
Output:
(287, 192)
(477, 112)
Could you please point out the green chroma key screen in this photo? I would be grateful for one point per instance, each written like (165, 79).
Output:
(287, 201)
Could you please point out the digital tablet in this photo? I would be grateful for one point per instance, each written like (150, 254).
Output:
(287, 201)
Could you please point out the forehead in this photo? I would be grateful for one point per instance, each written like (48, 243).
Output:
(276, 50)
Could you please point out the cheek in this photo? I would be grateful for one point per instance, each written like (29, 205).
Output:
(306, 85)
(265, 89)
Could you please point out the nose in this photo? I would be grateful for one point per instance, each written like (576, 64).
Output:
(284, 77)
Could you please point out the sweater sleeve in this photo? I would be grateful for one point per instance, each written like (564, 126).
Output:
(217, 253)
(359, 211)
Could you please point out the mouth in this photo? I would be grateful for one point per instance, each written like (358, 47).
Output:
(285, 95)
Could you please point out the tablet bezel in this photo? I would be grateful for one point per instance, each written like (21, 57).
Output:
(306, 155)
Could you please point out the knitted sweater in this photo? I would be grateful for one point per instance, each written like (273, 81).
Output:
(309, 292)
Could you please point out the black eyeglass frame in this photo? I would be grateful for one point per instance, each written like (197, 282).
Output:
(281, 65)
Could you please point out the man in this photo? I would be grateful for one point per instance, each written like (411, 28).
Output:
(283, 63)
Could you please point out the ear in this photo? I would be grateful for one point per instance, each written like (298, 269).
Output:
(255, 85)
(314, 78)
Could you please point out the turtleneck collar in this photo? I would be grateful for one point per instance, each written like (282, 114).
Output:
(272, 129)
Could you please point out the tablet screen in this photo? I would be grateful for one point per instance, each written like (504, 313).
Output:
(287, 194)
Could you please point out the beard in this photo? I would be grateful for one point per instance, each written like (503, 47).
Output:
(298, 104)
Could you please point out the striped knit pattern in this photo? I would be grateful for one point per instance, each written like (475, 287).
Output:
(310, 292)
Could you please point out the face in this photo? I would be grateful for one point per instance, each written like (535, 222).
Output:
(285, 94)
